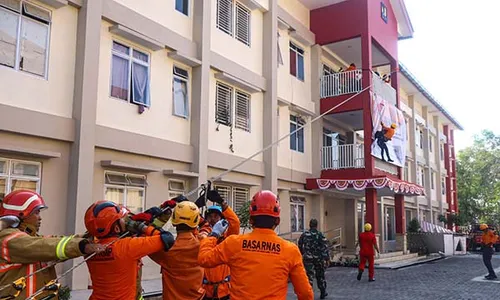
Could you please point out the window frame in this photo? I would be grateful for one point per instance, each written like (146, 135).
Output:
(125, 188)
(443, 185)
(131, 60)
(298, 201)
(175, 191)
(232, 113)
(231, 190)
(297, 123)
(233, 21)
(431, 144)
(186, 100)
(294, 47)
(433, 177)
(8, 176)
(188, 6)
(19, 14)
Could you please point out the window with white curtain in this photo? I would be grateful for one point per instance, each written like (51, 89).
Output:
(24, 36)
(130, 75)
(180, 92)
(297, 213)
(126, 189)
(19, 175)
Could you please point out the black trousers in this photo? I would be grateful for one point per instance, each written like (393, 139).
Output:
(487, 255)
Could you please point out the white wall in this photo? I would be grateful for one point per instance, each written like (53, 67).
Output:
(164, 13)
(156, 121)
(53, 95)
(297, 10)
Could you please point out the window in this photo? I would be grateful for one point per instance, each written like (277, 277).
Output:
(421, 139)
(327, 70)
(441, 151)
(130, 75)
(280, 55)
(25, 36)
(182, 6)
(176, 188)
(297, 213)
(407, 130)
(422, 177)
(443, 186)
(297, 138)
(180, 92)
(296, 61)
(430, 144)
(406, 172)
(433, 184)
(224, 107)
(234, 196)
(234, 19)
(19, 175)
(125, 189)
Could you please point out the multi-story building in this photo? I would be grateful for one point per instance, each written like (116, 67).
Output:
(137, 102)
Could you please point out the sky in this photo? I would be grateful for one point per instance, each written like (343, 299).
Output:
(455, 54)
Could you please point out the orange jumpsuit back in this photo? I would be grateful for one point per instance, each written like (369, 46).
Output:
(367, 241)
(182, 276)
(217, 277)
(389, 132)
(261, 264)
(114, 272)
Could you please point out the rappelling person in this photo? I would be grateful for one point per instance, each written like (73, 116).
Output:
(114, 272)
(216, 280)
(260, 262)
(24, 251)
(383, 136)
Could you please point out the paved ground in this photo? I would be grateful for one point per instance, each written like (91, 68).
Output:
(459, 277)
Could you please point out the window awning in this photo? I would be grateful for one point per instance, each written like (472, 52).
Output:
(385, 186)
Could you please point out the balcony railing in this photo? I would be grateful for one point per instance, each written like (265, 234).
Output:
(384, 89)
(341, 83)
(343, 157)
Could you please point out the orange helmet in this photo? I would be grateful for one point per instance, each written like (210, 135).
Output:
(265, 203)
(101, 216)
(483, 227)
(21, 203)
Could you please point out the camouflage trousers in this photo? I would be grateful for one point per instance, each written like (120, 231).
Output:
(316, 269)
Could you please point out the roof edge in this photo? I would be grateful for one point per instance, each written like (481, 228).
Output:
(404, 70)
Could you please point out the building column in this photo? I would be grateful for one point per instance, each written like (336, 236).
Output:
(413, 145)
(317, 127)
(399, 203)
(200, 90)
(350, 229)
(395, 85)
(439, 174)
(372, 211)
(318, 211)
(428, 170)
(81, 169)
(270, 118)
(366, 64)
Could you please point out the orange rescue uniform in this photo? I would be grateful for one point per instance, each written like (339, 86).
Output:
(114, 272)
(489, 237)
(367, 241)
(261, 264)
(389, 132)
(218, 277)
(182, 276)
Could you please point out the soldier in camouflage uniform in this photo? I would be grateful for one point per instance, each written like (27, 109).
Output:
(314, 249)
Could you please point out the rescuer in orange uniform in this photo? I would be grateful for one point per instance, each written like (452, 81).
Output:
(489, 238)
(24, 251)
(216, 280)
(260, 262)
(383, 136)
(367, 242)
(114, 272)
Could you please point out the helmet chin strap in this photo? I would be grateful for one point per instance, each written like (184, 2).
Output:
(28, 228)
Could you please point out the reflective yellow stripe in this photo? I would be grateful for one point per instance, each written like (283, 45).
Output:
(61, 247)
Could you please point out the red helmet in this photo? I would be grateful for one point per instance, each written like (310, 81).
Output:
(21, 203)
(265, 203)
(101, 216)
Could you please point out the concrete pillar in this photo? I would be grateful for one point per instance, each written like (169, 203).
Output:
(284, 196)
(399, 203)
(200, 89)
(318, 211)
(350, 223)
(439, 173)
(270, 119)
(81, 169)
(382, 222)
(317, 127)
(372, 212)
(366, 64)
(427, 170)
(413, 147)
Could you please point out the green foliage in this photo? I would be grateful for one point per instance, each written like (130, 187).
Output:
(414, 226)
(442, 218)
(478, 180)
(243, 214)
(64, 293)
(457, 219)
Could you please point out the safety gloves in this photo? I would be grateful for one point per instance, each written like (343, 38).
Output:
(219, 228)
(214, 196)
(136, 227)
(168, 239)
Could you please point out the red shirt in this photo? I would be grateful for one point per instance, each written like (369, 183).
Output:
(366, 242)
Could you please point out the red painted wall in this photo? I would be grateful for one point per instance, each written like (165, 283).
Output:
(386, 35)
(338, 22)
(355, 103)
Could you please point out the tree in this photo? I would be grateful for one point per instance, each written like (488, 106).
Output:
(243, 214)
(478, 180)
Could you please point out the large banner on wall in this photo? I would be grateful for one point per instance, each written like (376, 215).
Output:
(389, 132)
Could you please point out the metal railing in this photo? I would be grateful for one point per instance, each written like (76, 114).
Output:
(384, 89)
(341, 83)
(350, 156)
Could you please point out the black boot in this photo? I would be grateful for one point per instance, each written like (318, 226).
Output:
(323, 294)
(360, 273)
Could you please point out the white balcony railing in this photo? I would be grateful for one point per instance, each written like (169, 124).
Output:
(343, 157)
(341, 83)
(383, 89)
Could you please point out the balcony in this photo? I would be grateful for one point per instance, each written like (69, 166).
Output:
(341, 83)
(383, 89)
(350, 156)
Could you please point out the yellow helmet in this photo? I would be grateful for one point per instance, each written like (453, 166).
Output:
(393, 126)
(483, 227)
(186, 212)
(368, 227)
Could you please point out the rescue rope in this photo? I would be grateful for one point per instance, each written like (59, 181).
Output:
(20, 283)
